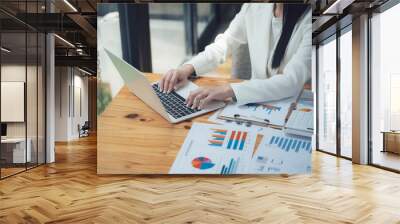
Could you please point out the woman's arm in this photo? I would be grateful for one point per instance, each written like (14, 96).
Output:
(217, 52)
(213, 55)
(295, 74)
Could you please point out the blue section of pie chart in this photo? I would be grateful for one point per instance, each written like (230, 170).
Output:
(202, 163)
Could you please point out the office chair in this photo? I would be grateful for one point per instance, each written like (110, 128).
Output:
(241, 66)
(84, 130)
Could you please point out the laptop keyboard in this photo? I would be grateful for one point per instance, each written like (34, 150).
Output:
(174, 103)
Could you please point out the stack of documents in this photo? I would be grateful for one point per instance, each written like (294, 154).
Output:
(228, 149)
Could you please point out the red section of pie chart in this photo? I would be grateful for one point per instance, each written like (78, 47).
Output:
(202, 163)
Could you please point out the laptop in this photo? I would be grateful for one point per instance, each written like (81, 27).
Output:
(171, 105)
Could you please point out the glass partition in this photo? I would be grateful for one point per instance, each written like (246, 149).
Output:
(385, 89)
(13, 94)
(327, 96)
(22, 101)
(31, 98)
(41, 97)
(205, 14)
(167, 35)
(346, 93)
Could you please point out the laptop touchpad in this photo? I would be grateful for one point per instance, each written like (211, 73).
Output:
(185, 90)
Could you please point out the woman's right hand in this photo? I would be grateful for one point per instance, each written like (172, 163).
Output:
(175, 78)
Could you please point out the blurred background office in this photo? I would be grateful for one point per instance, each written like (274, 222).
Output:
(47, 72)
(156, 37)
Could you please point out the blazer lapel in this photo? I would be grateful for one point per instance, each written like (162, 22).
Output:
(263, 31)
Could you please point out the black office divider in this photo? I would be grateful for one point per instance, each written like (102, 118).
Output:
(23, 61)
(135, 35)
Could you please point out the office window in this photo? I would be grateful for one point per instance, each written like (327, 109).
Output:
(385, 87)
(346, 94)
(108, 21)
(167, 36)
(205, 13)
(327, 96)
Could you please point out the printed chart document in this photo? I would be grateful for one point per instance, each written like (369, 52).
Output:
(229, 149)
(301, 120)
(215, 149)
(281, 153)
(273, 113)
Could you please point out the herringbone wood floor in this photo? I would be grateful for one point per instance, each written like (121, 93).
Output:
(69, 191)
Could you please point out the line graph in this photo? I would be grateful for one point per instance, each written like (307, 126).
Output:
(269, 108)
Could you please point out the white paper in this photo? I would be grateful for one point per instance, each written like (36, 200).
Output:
(208, 149)
(301, 120)
(280, 153)
(215, 149)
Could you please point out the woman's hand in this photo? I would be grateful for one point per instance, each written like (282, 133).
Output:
(204, 95)
(175, 78)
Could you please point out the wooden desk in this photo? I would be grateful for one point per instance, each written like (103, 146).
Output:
(133, 139)
(391, 141)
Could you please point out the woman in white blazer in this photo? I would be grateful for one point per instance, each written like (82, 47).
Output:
(279, 40)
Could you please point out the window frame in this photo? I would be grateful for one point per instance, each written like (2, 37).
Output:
(335, 36)
(378, 10)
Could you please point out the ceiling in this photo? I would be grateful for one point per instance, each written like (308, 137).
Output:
(76, 22)
(330, 15)
(72, 20)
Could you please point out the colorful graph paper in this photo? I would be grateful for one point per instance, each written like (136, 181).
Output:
(287, 143)
(267, 107)
(202, 163)
(217, 137)
(237, 140)
(231, 168)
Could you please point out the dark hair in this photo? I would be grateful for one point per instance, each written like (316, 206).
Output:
(291, 14)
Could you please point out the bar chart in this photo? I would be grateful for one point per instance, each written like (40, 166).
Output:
(231, 168)
(288, 143)
(217, 137)
(237, 140)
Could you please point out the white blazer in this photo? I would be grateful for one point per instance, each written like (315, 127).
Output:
(252, 25)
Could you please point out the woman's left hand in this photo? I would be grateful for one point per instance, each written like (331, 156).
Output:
(204, 95)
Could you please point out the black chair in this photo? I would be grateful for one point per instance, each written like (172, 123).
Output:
(84, 130)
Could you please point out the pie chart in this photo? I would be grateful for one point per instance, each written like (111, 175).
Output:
(202, 163)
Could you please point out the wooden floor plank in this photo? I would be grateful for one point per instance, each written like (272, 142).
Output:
(69, 191)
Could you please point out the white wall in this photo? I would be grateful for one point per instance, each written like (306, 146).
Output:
(61, 103)
(70, 84)
(12, 73)
(33, 126)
